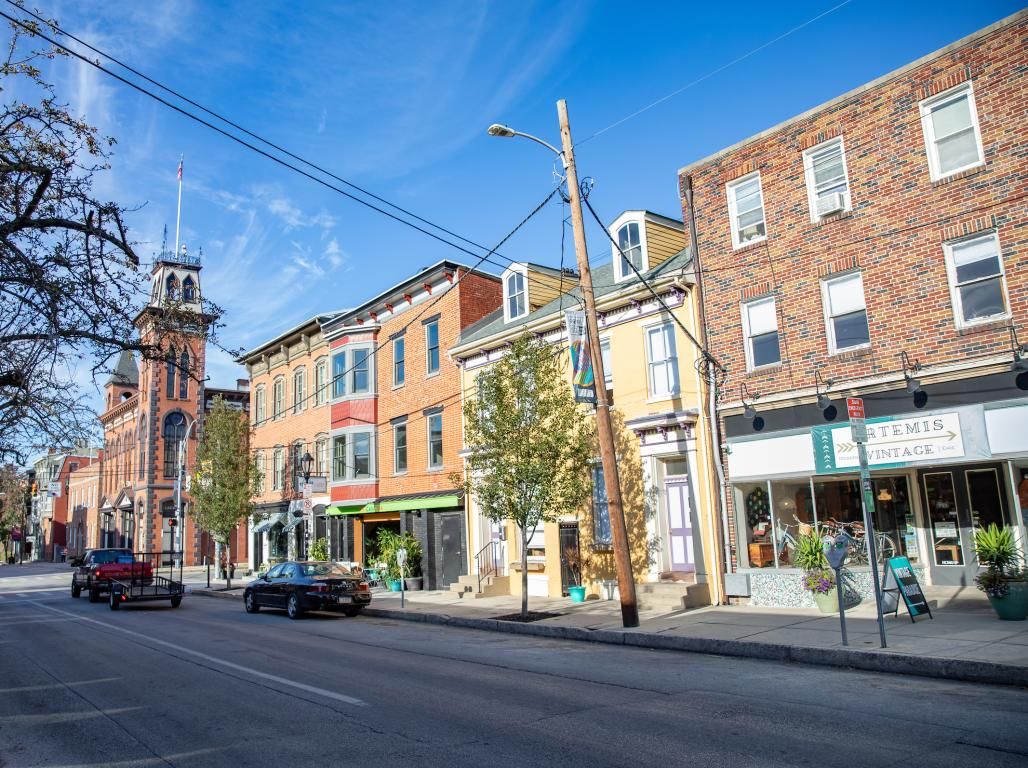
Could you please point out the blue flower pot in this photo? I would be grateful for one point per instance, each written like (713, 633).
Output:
(577, 594)
(394, 585)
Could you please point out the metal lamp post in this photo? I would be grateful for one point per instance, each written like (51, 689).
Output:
(304, 466)
(179, 476)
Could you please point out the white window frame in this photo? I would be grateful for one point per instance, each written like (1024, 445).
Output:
(954, 289)
(928, 127)
(278, 468)
(650, 363)
(510, 272)
(262, 470)
(833, 348)
(747, 335)
(260, 402)
(400, 345)
(428, 349)
(607, 357)
(730, 188)
(428, 441)
(808, 173)
(278, 404)
(322, 455)
(350, 372)
(406, 449)
(336, 353)
(300, 397)
(322, 389)
(349, 433)
(644, 263)
(597, 478)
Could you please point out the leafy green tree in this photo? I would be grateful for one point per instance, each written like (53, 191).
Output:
(226, 477)
(12, 505)
(529, 444)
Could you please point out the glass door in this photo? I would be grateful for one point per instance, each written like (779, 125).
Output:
(957, 501)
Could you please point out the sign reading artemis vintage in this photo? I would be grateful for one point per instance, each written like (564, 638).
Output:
(891, 442)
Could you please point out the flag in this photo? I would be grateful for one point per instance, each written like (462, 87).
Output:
(581, 362)
(180, 169)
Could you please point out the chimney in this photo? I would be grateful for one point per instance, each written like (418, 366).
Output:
(243, 385)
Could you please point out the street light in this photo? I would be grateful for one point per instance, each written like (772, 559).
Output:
(306, 463)
(605, 429)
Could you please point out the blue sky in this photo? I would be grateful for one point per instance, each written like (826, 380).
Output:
(396, 97)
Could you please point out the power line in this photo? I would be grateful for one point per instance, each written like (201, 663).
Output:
(428, 305)
(253, 135)
(710, 74)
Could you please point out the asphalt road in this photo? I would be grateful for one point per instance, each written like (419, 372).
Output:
(208, 685)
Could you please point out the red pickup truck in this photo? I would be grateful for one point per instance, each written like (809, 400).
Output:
(97, 567)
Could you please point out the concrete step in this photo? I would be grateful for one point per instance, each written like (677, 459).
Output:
(492, 586)
(672, 596)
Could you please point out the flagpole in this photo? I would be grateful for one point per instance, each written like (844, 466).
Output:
(178, 216)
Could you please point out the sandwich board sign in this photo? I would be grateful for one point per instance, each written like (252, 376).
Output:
(900, 581)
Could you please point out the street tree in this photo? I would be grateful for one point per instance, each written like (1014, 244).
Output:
(226, 476)
(13, 488)
(529, 444)
(70, 283)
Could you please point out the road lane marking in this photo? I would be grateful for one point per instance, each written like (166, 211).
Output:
(63, 717)
(222, 662)
(61, 686)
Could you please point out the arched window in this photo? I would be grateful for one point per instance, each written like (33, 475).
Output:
(188, 290)
(170, 375)
(174, 433)
(171, 287)
(183, 375)
(142, 446)
(515, 289)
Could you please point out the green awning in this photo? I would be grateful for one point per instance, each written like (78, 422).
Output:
(418, 502)
(337, 509)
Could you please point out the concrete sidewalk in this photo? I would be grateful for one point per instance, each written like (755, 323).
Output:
(964, 641)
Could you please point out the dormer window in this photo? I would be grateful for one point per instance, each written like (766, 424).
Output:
(631, 247)
(188, 291)
(515, 296)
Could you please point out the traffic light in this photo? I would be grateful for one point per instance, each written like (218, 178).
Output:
(172, 522)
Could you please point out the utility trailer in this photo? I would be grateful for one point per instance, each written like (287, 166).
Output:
(159, 584)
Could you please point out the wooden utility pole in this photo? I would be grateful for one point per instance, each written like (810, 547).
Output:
(608, 456)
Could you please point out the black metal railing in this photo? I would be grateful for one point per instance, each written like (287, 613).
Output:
(487, 562)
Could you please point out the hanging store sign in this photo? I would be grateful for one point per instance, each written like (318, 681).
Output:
(582, 381)
(891, 442)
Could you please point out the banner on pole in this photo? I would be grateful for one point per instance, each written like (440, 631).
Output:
(582, 381)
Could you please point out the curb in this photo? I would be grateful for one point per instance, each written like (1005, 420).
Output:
(204, 592)
(964, 670)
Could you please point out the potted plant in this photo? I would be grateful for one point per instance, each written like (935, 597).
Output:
(818, 578)
(574, 561)
(412, 580)
(1003, 580)
(319, 549)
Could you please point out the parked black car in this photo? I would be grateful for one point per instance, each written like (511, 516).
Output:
(308, 586)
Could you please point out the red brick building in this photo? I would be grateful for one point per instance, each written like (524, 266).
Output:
(153, 409)
(396, 418)
(874, 246)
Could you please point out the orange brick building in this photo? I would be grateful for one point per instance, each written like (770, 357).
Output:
(396, 417)
(874, 246)
(289, 411)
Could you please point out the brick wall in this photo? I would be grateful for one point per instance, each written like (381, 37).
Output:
(894, 234)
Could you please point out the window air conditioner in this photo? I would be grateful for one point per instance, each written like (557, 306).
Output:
(832, 203)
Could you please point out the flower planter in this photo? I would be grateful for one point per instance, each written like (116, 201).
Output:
(827, 602)
(413, 584)
(1014, 605)
(394, 585)
(577, 594)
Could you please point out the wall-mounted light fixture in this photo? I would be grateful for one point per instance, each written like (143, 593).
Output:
(747, 407)
(824, 402)
(920, 397)
(1020, 364)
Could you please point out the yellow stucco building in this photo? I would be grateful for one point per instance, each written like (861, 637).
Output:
(661, 433)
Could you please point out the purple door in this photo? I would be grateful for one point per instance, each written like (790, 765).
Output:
(679, 525)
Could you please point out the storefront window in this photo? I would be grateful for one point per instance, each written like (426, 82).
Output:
(793, 510)
(840, 510)
(753, 527)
